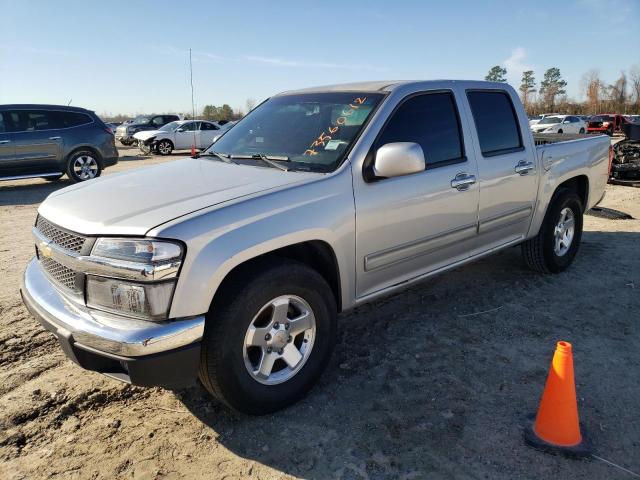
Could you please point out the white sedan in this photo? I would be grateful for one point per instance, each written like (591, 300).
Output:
(180, 135)
(560, 124)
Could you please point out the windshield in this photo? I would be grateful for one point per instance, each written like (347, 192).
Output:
(535, 117)
(550, 120)
(141, 119)
(314, 130)
(169, 127)
(601, 118)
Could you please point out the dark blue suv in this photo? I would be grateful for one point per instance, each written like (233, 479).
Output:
(49, 140)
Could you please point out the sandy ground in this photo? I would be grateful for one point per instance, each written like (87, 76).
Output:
(416, 388)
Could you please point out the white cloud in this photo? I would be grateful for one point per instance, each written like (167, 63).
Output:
(516, 64)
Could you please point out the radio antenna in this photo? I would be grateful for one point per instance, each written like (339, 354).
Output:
(193, 105)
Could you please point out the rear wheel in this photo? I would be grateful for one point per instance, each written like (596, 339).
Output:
(269, 339)
(557, 242)
(83, 165)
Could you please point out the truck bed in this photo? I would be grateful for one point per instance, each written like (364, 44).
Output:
(546, 138)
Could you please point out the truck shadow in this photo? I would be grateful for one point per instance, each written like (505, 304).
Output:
(439, 378)
(29, 192)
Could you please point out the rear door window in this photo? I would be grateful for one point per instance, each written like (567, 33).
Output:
(208, 126)
(158, 121)
(496, 122)
(35, 120)
(430, 120)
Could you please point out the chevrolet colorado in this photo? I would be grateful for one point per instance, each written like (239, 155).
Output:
(232, 267)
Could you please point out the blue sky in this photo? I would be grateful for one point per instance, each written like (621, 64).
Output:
(128, 57)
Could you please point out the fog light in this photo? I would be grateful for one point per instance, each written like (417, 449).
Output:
(148, 301)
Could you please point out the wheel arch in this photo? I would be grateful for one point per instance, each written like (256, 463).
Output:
(317, 254)
(79, 148)
(578, 184)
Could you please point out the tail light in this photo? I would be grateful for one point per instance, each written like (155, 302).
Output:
(109, 131)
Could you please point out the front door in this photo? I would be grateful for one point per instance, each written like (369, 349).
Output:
(208, 131)
(410, 225)
(507, 168)
(187, 135)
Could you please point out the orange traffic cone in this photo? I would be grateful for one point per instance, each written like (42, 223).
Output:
(193, 151)
(556, 428)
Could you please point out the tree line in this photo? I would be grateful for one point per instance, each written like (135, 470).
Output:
(621, 96)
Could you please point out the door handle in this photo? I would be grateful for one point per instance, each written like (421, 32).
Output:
(54, 138)
(523, 167)
(5, 141)
(463, 181)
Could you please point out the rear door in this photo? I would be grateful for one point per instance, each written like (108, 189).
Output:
(208, 131)
(7, 145)
(38, 141)
(410, 225)
(506, 165)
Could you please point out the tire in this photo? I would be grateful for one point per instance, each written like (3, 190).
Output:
(542, 253)
(581, 130)
(126, 143)
(53, 179)
(83, 165)
(228, 366)
(560, 131)
(164, 147)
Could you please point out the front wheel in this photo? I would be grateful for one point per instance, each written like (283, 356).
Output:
(269, 338)
(560, 131)
(165, 147)
(144, 148)
(83, 165)
(557, 242)
(581, 130)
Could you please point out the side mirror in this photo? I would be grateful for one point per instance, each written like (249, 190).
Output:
(399, 158)
(180, 130)
(566, 121)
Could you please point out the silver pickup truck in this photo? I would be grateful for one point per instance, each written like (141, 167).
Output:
(232, 267)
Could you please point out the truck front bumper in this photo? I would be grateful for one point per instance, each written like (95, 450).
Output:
(134, 351)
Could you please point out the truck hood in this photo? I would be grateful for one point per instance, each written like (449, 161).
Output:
(147, 134)
(131, 203)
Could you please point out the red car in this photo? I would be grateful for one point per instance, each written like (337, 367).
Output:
(608, 123)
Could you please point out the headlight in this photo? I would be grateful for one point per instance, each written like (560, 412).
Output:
(137, 250)
(133, 277)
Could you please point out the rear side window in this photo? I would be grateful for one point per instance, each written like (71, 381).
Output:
(72, 119)
(158, 121)
(430, 120)
(4, 125)
(496, 122)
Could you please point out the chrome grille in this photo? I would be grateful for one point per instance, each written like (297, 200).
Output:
(62, 238)
(60, 274)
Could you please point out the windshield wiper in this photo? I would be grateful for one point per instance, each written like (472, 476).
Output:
(268, 159)
(225, 157)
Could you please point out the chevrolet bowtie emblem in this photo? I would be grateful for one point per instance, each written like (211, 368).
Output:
(45, 249)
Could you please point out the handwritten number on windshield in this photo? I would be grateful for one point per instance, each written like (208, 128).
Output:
(324, 137)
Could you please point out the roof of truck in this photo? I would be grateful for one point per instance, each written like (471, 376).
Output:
(387, 85)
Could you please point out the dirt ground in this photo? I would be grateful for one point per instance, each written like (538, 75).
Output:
(417, 388)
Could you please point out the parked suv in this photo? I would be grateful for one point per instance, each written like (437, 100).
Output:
(49, 140)
(124, 133)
